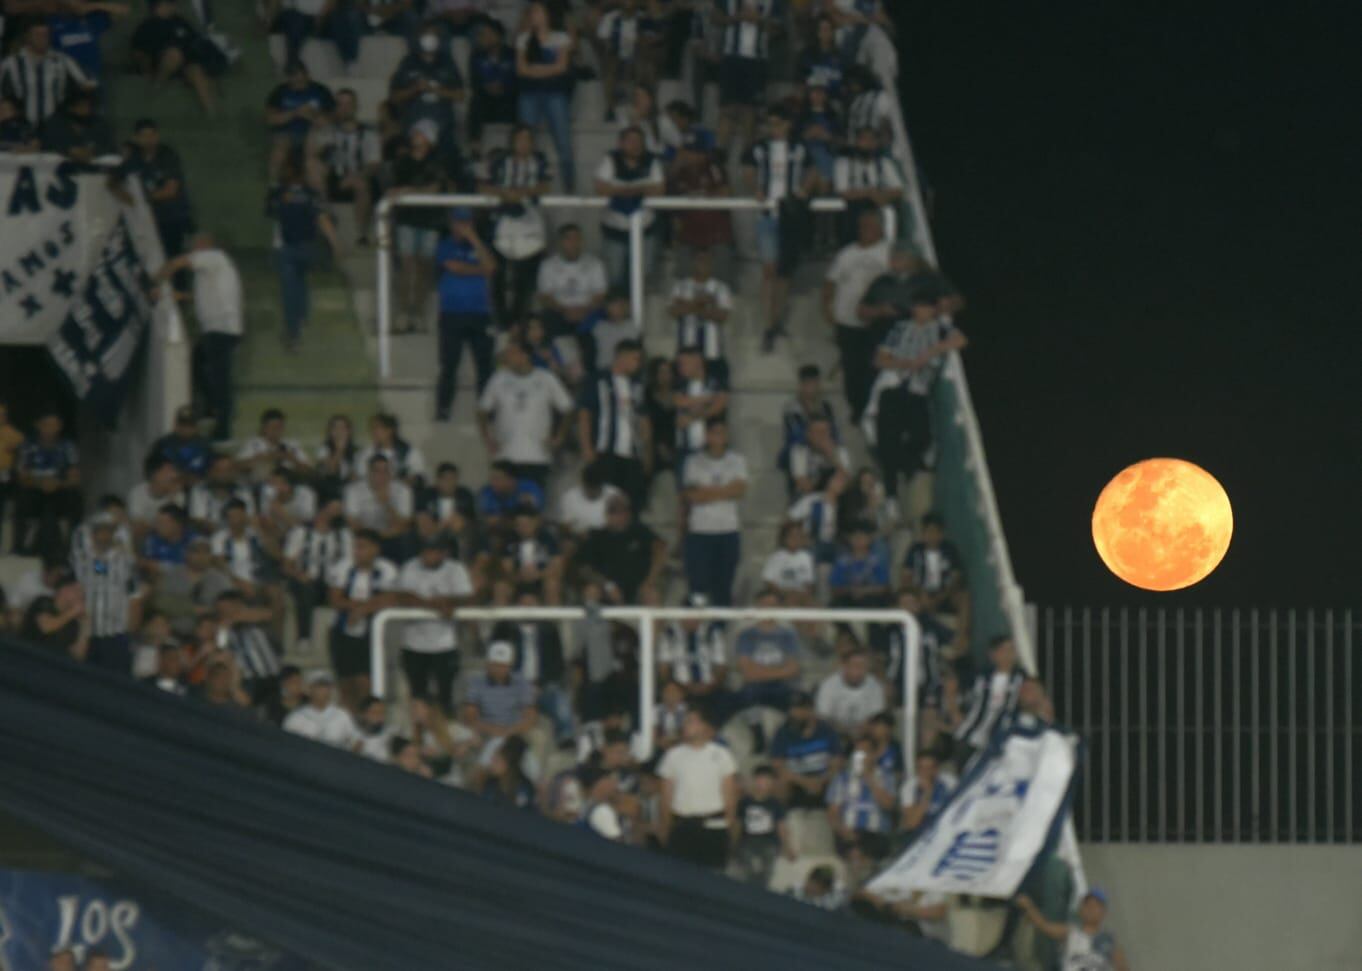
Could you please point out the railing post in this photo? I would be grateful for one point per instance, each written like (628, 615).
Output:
(912, 657)
(383, 253)
(636, 282)
(646, 678)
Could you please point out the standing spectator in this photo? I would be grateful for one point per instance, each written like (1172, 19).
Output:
(659, 404)
(540, 660)
(78, 29)
(698, 396)
(261, 455)
(868, 104)
(860, 577)
(701, 305)
(692, 655)
(407, 462)
(298, 20)
(804, 753)
(293, 111)
(627, 36)
(909, 361)
(419, 170)
(768, 660)
(321, 719)
(699, 801)
(299, 218)
(627, 176)
(10, 441)
(359, 588)
(626, 557)
(1087, 943)
(346, 156)
(611, 429)
(868, 180)
(108, 575)
(518, 177)
(747, 28)
(544, 77)
(57, 621)
(523, 415)
(856, 266)
(466, 268)
(426, 86)
(48, 503)
(933, 571)
(430, 648)
(157, 167)
(217, 307)
(40, 78)
(993, 699)
(492, 78)
(240, 632)
(499, 702)
(807, 404)
(849, 697)
(925, 794)
(715, 480)
(861, 801)
(822, 65)
(312, 550)
(764, 833)
(854, 19)
(572, 286)
(76, 132)
(779, 172)
(380, 503)
(790, 569)
(350, 20)
(607, 332)
(166, 46)
(820, 129)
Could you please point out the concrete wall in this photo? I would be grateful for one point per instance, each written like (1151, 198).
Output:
(1233, 908)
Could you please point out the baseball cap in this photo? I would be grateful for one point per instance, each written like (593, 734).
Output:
(319, 676)
(500, 652)
(1098, 894)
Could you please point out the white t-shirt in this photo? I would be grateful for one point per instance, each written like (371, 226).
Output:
(852, 271)
(27, 589)
(697, 775)
(331, 725)
(702, 469)
(604, 821)
(573, 283)
(792, 571)
(217, 292)
(238, 553)
(1088, 952)
(581, 514)
(376, 745)
(143, 506)
(302, 506)
(846, 705)
(362, 508)
(412, 464)
(449, 579)
(522, 408)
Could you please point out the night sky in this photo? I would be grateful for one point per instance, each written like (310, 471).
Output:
(1156, 223)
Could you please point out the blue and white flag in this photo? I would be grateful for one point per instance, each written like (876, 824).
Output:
(1006, 810)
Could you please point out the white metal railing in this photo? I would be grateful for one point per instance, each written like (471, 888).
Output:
(645, 617)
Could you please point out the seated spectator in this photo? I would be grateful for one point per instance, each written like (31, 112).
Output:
(695, 173)
(701, 305)
(530, 557)
(78, 31)
(869, 180)
(271, 448)
(524, 415)
(849, 697)
(600, 794)
(861, 801)
(241, 633)
(845, 289)
(822, 64)
(518, 177)
(561, 356)
(208, 499)
(311, 551)
(167, 544)
(865, 500)
(492, 80)
(808, 403)
(699, 801)
(544, 79)
(629, 39)
(700, 394)
(933, 571)
(885, 749)
(359, 588)
(450, 502)
(854, 19)
(158, 169)
(609, 331)
(18, 135)
(572, 286)
(925, 793)
(627, 176)
(820, 890)
(162, 487)
(419, 170)
(506, 782)
(237, 548)
(1087, 942)
(40, 78)
(747, 27)
(380, 503)
(185, 448)
(626, 557)
(345, 157)
(860, 577)
(868, 104)
(406, 461)
(611, 429)
(499, 702)
(284, 503)
(169, 673)
(289, 695)
(715, 481)
(505, 492)
(321, 719)
(300, 223)
(40, 581)
(48, 502)
(763, 832)
(166, 46)
(112, 506)
(682, 132)
(818, 459)
(540, 660)
(640, 111)
(375, 734)
(57, 621)
(466, 268)
(337, 458)
(671, 716)
(581, 508)
(993, 698)
(77, 132)
(693, 655)
(425, 87)
(221, 685)
(804, 753)
(456, 17)
(790, 569)
(821, 130)
(768, 661)
(185, 591)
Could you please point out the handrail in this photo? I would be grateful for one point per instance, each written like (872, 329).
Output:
(645, 618)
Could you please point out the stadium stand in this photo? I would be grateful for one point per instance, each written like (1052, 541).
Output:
(786, 424)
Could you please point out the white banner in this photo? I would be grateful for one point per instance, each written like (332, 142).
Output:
(987, 837)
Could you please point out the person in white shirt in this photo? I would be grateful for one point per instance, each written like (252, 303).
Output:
(358, 588)
(379, 502)
(581, 509)
(855, 267)
(163, 487)
(270, 449)
(407, 462)
(321, 719)
(699, 803)
(1088, 945)
(613, 329)
(572, 285)
(430, 655)
(850, 696)
(208, 499)
(373, 731)
(790, 570)
(715, 480)
(524, 414)
(217, 307)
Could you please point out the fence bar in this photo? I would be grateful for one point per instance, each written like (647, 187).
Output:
(636, 253)
(1126, 691)
(1330, 833)
(383, 235)
(1143, 788)
(1107, 724)
(1199, 728)
(1310, 796)
(1348, 726)
(1236, 735)
(1070, 712)
(1163, 726)
(1182, 722)
(1273, 803)
(1217, 732)
(1291, 801)
(1086, 689)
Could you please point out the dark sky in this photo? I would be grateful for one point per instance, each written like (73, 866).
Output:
(1156, 223)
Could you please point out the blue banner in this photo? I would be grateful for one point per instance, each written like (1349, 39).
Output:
(43, 912)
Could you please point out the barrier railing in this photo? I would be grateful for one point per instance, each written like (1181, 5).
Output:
(645, 619)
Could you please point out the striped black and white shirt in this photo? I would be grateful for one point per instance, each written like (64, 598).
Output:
(870, 109)
(360, 583)
(616, 406)
(109, 579)
(351, 150)
(316, 551)
(855, 171)
(693, 656)
(40, 82)
(746, 39)
(695, 330)
(208, 504)
(253, 650)
(781, 167)
(993, 698)
(242, 555)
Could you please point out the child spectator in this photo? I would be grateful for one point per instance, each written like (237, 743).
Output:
(763, 832)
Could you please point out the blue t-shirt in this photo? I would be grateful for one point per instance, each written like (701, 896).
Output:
(47, 461)
(811, 755)
(495, 67)
(161, 550)
(78, 38)
(769, 648)
(294, 209)
(461, 294)
(871, 570)
(288, 98)
(190, 455)
(493, 503)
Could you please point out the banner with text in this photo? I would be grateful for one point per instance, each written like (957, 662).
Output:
(45, 912)
(1002, 816)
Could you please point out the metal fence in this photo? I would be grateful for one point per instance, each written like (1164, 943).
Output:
(1222, 726)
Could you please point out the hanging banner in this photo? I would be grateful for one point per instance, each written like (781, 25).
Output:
(1002, 816)
(42, 913)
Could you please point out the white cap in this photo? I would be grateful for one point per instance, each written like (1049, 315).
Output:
(501, 652)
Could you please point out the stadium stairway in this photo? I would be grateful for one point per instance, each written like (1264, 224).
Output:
(224, 159)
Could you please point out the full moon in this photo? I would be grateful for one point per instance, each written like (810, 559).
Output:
(1162, 524)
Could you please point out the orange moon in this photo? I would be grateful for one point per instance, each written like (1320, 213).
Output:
(1162, 524)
